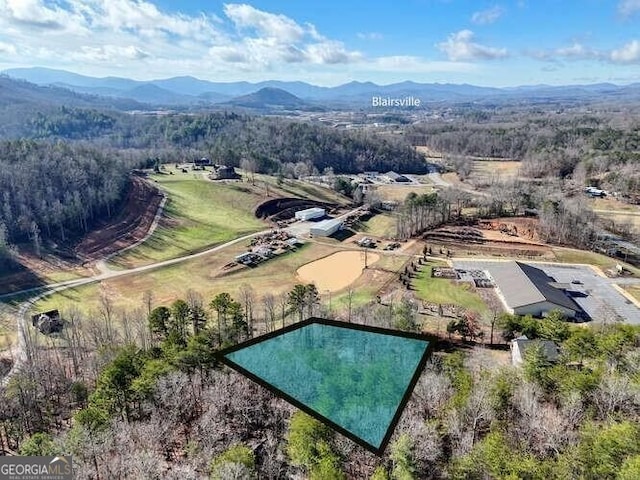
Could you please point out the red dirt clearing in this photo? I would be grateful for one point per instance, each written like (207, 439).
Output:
(130, 226)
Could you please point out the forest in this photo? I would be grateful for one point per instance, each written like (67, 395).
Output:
(228, 138)
(71, 167)
(56, 191)
(152, 398)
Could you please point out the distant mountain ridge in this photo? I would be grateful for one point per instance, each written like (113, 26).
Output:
(271, 98)
(187, 90)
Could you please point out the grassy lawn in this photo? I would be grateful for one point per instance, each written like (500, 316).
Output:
(201, 213)
(198, 214)
(610, 204)
(361, 296)
(444, 291)
(398, 193)
(204, 275)
(7, 329)
(634, 290)
(381, 225)
(631, 219)
(569, 255)
(487, 169)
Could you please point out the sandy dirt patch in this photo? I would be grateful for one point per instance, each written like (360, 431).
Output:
(337, 271)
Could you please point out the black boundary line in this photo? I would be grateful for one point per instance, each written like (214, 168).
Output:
(222, 357)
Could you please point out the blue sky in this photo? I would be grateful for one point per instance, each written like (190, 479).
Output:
(329, 42)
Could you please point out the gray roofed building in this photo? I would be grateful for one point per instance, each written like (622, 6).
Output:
(525, 289)
(520, 345)
(396, 177)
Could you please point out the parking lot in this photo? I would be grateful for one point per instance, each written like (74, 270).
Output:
(595, 294)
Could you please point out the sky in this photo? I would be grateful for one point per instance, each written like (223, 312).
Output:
(330, 42)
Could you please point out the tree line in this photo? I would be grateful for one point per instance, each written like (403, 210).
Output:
(228, 138)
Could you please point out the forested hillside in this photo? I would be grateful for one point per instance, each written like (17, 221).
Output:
(70, 167)
(270, 143)
(598, 149)
(152, 398)
(57, 190)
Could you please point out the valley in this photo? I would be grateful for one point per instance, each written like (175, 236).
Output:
(150, 241)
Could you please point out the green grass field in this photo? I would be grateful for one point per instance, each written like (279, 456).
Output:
(438, 290)
(198, 214)
(203, 275)
(201, 213)
(361, 296)
(381, 225)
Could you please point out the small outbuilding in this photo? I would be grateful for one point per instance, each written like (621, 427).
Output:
(202, 162)
(310, 213)
(326, 228)
(520, 345)
(48, 322)
(223, 172)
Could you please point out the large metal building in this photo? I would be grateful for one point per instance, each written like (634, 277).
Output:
(326, 227)
(310, 213)
(527, 290)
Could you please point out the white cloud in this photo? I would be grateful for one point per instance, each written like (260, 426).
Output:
(107, 53)
(139, 39)
(274, 39)
(7, 49)
(629, 7)
(626, 54)
(485, 17)
(37, 14)
(268, 24)
(460, 46)
(139, 35)
(629, 53)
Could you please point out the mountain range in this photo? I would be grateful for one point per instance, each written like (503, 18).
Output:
(190, 91)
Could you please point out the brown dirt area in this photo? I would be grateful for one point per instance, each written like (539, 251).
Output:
(335, 271)
(130, 226)
(498, 237)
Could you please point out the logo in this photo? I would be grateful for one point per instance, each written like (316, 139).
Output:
(36, 468)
